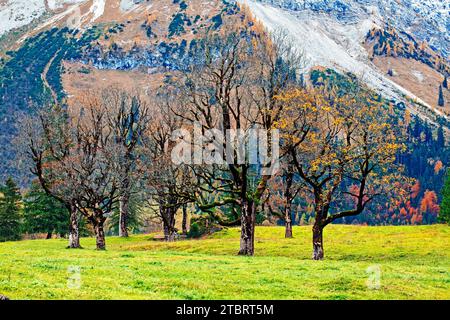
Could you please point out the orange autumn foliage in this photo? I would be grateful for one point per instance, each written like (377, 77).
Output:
(416, 219)
(415, 190)
(429, 203)
(438, 166)
(403, 212)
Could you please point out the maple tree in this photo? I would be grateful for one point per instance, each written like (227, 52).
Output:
(234, 89)
(336, 139)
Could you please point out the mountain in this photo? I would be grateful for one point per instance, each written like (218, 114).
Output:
(335, 34)
(52, 50)
(56, 49)
(426, 20)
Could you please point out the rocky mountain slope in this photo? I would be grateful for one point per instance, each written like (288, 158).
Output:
(335, 34)
(56, 49)
(424, 19)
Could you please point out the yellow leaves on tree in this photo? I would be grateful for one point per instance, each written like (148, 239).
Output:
(250, 20)
(407, 118)
(423, 46)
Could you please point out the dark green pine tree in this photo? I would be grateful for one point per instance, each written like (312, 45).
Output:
(44, 214)
(444, 214)
(441, 97)
(445, 83)
(10, 219)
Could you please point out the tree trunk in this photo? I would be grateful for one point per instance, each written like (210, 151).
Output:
(248, 229)
(288, 208)
(317, 241)
(288, 221)
(49, 236)
(169, 224)
(169, 234)
(100, 234)
(288, 232)
(124, 198)
(184, 225)
(74, 234)
(124, 205)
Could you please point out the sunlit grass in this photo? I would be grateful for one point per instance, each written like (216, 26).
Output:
(414, 263)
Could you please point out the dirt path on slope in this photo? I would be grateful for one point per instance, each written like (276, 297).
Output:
(44, 77)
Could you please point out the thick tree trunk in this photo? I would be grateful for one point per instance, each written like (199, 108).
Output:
(169, 234)
(318, 253)
(100, 234)
(49, 236)
(169, 224)
(184, 225)
(74, 234)
(248, 220)
(288, 232)
(124, 205)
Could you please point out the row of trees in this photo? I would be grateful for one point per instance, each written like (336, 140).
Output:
(335, 144)
(82, 157)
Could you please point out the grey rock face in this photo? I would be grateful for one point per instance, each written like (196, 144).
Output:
(424, 19)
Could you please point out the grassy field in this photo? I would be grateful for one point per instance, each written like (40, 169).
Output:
(414, 263)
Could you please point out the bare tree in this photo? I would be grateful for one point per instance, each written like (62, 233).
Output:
(168, 185)
(235, 89)
(93, 162)
(74, 157)
(45, 141)
(128, 117)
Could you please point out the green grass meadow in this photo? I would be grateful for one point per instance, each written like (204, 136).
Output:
(412, 263)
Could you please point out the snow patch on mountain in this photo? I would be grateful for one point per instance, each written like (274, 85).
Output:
(58, 4)
(97, 9)
(76, 20)
(18, 13)
(129, 5)
(71, 15)
(426, 20)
